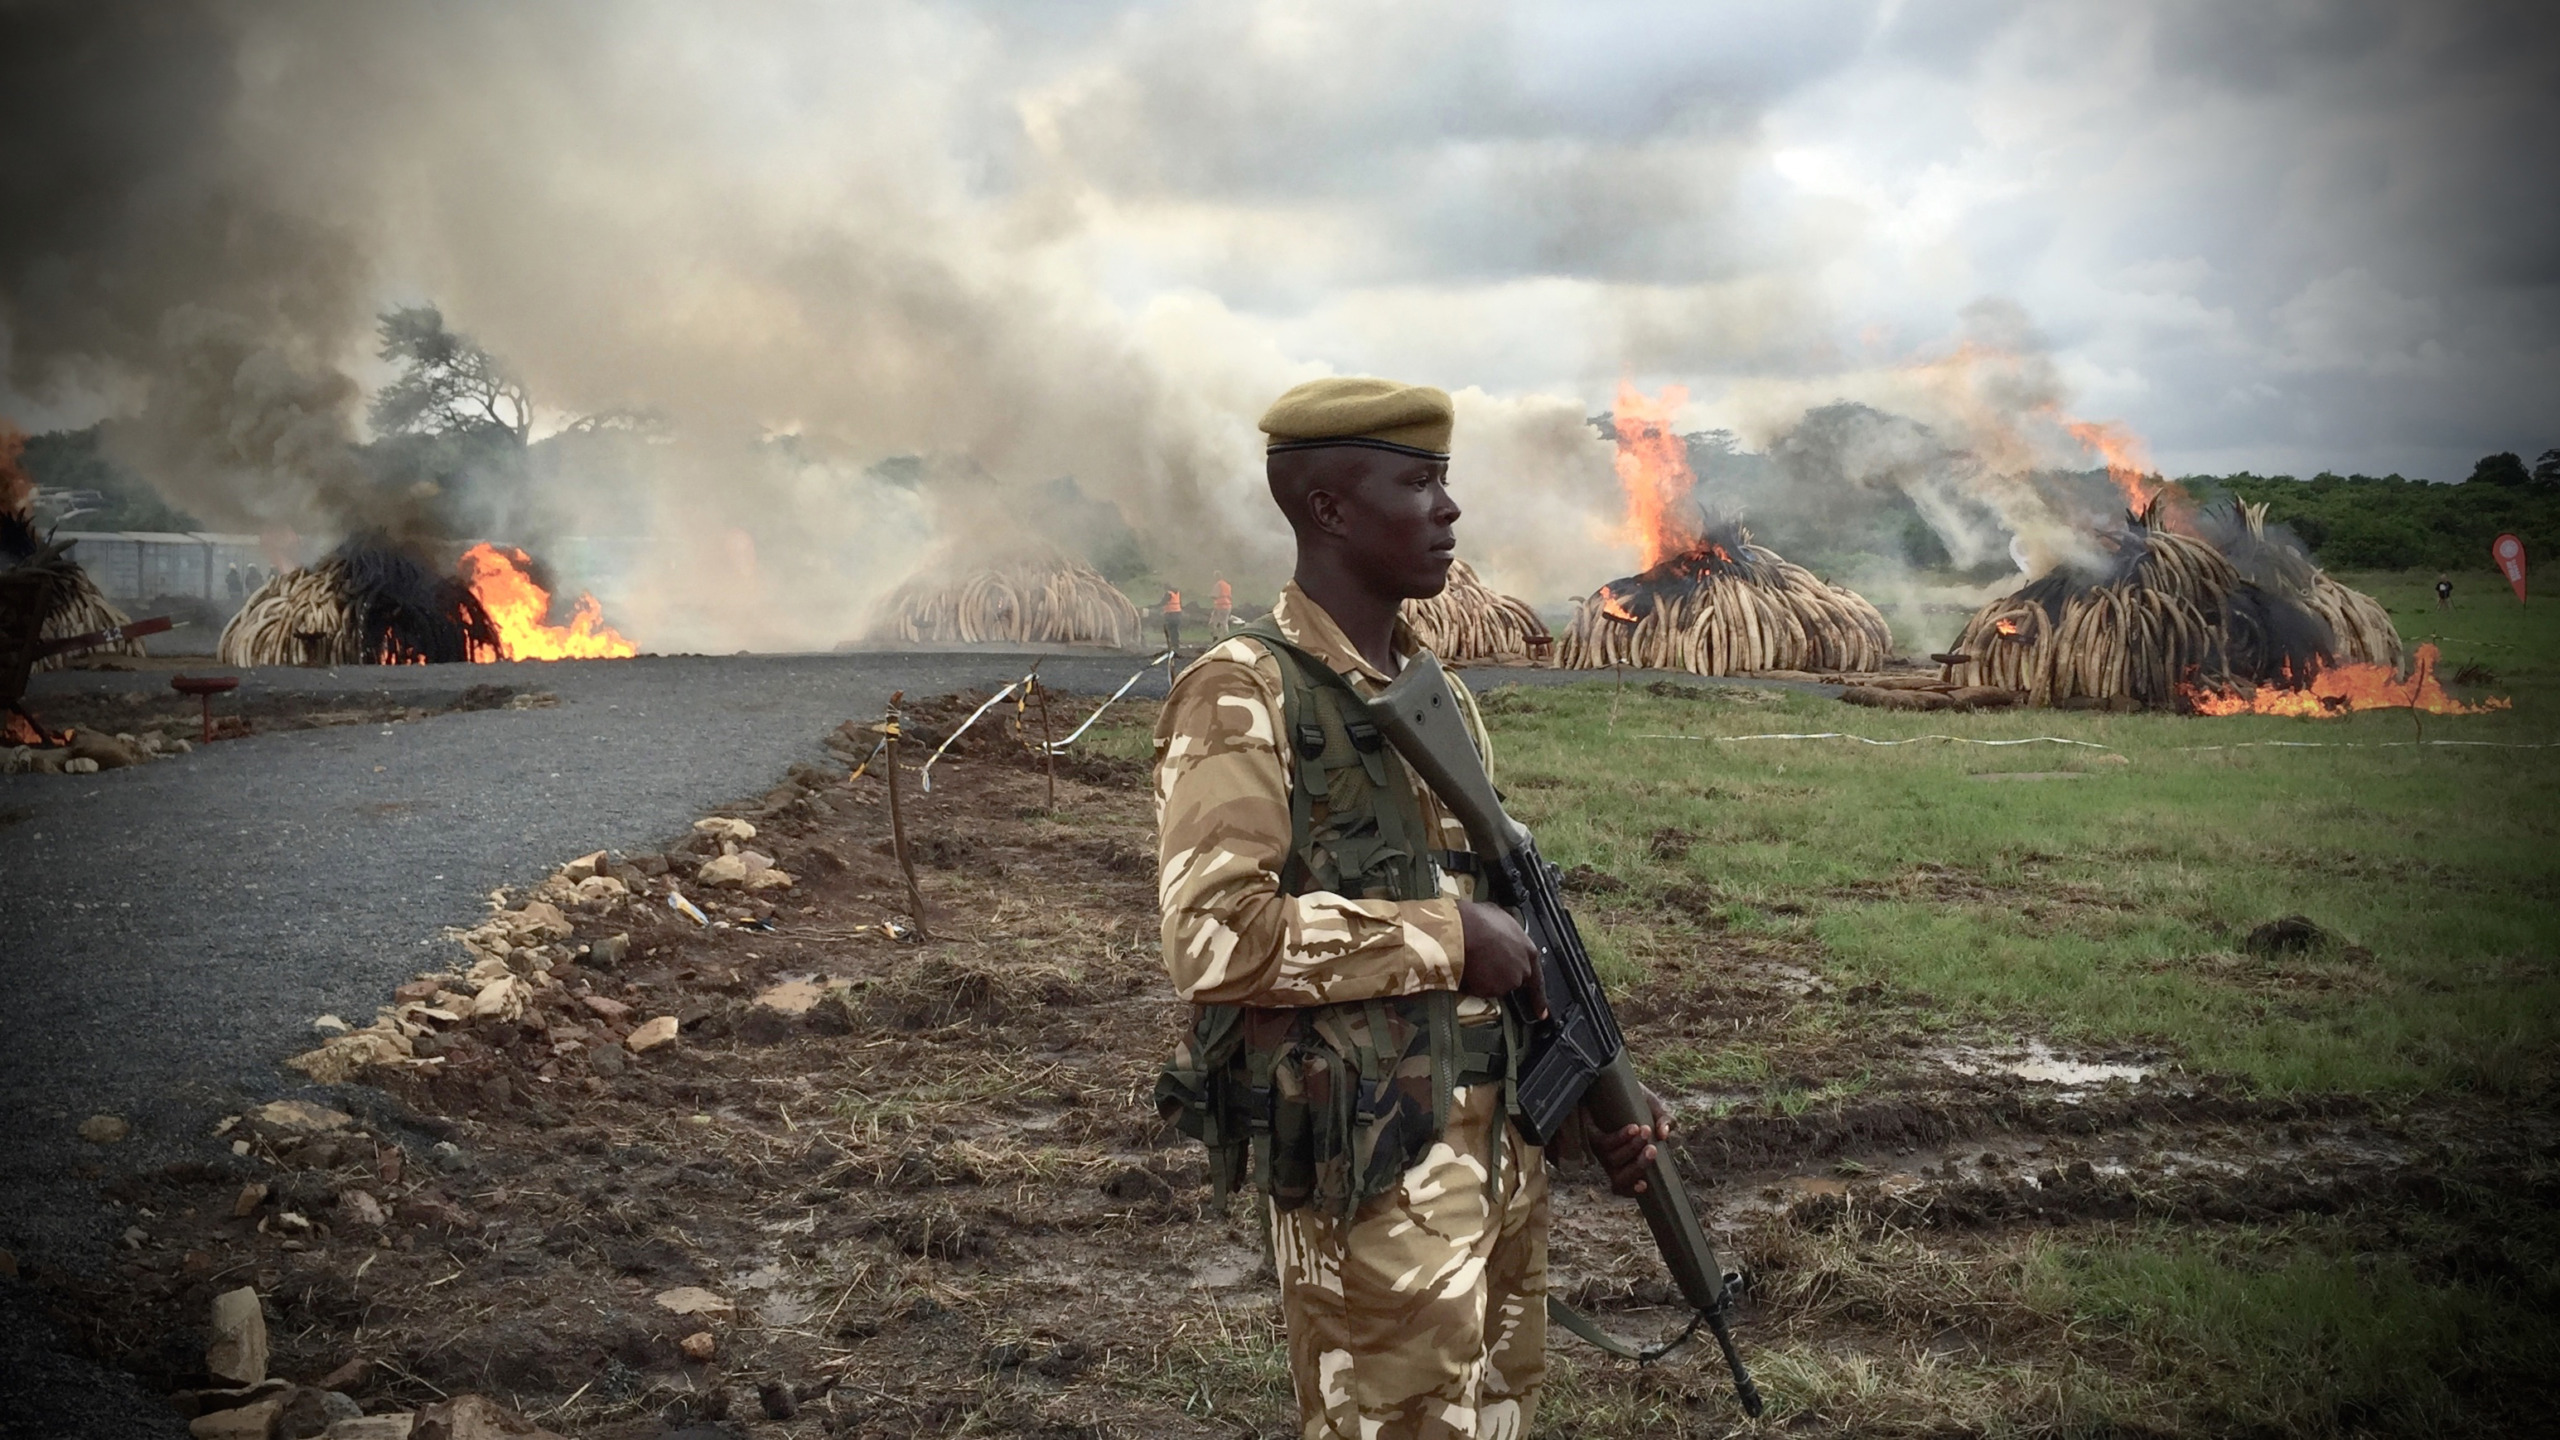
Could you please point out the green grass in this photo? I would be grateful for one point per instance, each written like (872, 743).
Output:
(2110, 909)
(2295, 1334)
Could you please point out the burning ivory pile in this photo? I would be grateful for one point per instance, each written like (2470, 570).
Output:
(1026, 599)
(1472, 623)
(84, 610)
(367, 604)
(1725, 606)
(2173, 609)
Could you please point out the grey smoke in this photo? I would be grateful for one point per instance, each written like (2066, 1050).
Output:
(1093, 241)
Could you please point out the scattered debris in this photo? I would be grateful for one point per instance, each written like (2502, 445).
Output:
(693, 1300)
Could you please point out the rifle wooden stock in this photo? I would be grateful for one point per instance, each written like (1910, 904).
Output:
(1577, 1057)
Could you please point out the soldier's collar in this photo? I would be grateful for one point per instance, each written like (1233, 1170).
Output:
(1307, 625)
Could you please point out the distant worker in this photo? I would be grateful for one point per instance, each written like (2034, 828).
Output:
(231, 585)
(1222, 609)
(1172, 618)
(2444, 593)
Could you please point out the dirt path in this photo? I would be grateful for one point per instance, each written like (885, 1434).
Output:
(916, 1187)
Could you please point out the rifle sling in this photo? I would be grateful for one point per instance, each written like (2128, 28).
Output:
(1588, 1329)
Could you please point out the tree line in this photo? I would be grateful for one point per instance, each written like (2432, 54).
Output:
(2361, 522)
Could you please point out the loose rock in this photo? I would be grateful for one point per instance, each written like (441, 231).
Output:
(373, 1427)
(652, 1034)
(693, 1300)
(239, 1349)
(475, 1417)
(253, 1421)
(104, 1129)
(309, 1412)
(338, 1061)
(301, 1117)
(538, 921)
(700, 1345)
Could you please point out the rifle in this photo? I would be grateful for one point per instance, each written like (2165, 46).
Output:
(1577, 1057)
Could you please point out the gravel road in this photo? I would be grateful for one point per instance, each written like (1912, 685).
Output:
(168, 932)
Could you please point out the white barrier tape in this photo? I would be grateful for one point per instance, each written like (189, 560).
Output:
(1914, 740)
(1057, 746)
(926, 775)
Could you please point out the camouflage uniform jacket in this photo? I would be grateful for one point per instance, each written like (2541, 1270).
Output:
(1232, 936)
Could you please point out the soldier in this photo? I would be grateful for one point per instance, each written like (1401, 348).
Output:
(1319, 914)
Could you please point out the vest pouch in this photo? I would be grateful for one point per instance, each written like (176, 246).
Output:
(1203, 1091)
(1305, 1079)
(1361, 1094)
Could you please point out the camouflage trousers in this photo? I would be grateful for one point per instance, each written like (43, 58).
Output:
(1424, 1317)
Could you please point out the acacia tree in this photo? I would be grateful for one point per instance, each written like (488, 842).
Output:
(447, 384)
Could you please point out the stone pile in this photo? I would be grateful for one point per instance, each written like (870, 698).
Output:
(90, 752)
(717, 878)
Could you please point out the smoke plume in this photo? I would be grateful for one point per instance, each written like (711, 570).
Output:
(230, 193)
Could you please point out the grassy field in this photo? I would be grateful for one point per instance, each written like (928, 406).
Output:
(2103, 888)
(2097, 896)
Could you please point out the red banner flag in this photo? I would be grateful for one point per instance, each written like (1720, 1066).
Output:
(2510, 555)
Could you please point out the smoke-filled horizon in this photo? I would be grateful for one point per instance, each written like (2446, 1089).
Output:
(1027, 242)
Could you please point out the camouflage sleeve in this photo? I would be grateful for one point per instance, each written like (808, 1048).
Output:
(1222, 824)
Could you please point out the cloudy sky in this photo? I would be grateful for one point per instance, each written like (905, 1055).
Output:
(1054, 237)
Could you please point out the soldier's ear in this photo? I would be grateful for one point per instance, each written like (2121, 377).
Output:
(1324, 511)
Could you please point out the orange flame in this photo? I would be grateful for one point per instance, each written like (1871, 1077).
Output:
(2005, 627)
(14, 730)
(2338, 689)
(2128, 460)
(1653, 468)
(503, 580)
(1613, 608)
(17, 491)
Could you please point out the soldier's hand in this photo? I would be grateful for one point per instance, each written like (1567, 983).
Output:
(1500, 956)
(1625, 1152)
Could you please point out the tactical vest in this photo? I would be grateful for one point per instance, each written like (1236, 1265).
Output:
(1330, 1104)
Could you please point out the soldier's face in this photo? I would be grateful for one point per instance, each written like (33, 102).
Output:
(1399, 524)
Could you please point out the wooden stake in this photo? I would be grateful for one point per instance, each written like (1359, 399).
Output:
(897, 820)
(1048, 757)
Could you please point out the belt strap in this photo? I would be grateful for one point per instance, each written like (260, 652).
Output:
(1559, 1313)
(1457, 862)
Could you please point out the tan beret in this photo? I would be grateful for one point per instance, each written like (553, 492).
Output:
(1358, 410)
